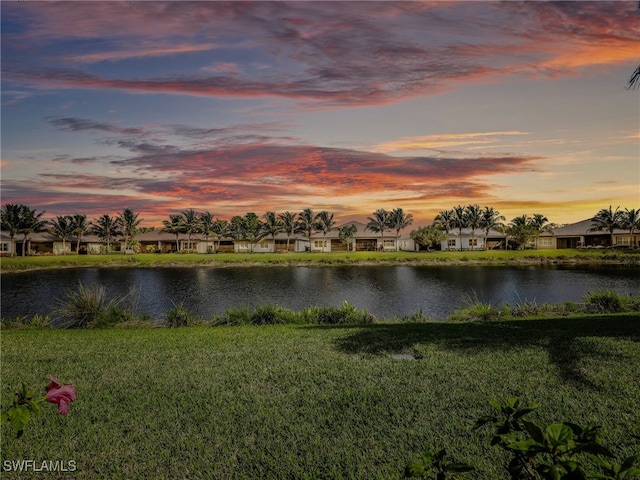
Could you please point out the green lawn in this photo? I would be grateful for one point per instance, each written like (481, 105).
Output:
(297, 402)
(334, 258)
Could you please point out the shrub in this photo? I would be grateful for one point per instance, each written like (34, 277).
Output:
(345, 314)
(608, 301)
(480, 311)
(180, 316)
(267, 315)
(233, 316)
(82, 307)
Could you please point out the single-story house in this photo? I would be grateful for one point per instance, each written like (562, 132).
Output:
(363, 240)
(583, 235)
(473, 240)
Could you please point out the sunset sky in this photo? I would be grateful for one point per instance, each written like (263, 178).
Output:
(232, 107)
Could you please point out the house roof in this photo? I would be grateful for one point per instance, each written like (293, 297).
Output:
(582, 228)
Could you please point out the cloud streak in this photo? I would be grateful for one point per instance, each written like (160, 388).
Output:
(330, 56)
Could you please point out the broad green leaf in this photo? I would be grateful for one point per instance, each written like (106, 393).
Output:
(19, 417)
(4, 417)
(528, 446)
(558, 434)
(535, 431)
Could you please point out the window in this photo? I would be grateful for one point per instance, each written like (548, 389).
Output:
(623, 240)
(319, 244)
(389, 243)
(4, 247)
(451, 242)
(189, 245)
(544, 242)
(473, 242)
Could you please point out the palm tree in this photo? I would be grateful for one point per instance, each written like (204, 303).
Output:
(398, 220)
(491, 219)
(80, 228)
(379, 222)
(11, 220)
(306, 222)
(538, 221)
(473, 218)
(521, 230)
(128, 222)
(324, 223)
(206, 226)
(175, 226)
(31, 223)
(346, 235)
(271, 226)
(62, 227)
(446, 220)
(631, 221)
(191, 223)
(288, 221)
(106, 228)
(251, 228)
(460, 220)
(607, 219)
(220, 228)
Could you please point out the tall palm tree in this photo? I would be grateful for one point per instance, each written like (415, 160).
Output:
(460, 220)
(175, 226)
(106, 228)
(288, 221)
(473, 218)
(538, 221)
(62, 227)
(271, 226)
(80, 228)
(491, 219)
(128, 222)
(219, 230)
(11, 220)
(191, 223)
(379, 222)
(306, 222)
(631, 221)
(398, 220)
(32, 222)
(446, 220)
(206, 226)
(324, 223)
(608, 220)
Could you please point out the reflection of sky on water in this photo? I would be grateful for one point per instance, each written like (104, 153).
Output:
(385, 291)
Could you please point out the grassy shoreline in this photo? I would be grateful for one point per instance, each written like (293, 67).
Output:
(293, 401)
(491, 257)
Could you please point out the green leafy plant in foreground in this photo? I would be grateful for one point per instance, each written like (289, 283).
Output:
(27, 403)
(554, 452)
(436, 465)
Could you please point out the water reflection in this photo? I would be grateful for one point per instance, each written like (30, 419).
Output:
(385, 291)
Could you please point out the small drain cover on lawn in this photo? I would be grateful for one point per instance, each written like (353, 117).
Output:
(402, 356)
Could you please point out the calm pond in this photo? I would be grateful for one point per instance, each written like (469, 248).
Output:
(385, 291)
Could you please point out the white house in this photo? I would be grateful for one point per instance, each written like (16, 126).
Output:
(473, 240)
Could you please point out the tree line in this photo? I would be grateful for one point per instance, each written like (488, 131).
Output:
(21, 219)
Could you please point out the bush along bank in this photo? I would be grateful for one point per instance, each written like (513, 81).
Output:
(90, 307)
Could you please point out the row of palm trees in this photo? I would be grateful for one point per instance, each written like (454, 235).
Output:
(608, 220)
(21, 219)
(18, 219)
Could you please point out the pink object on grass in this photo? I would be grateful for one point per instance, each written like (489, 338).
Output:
(63, 395)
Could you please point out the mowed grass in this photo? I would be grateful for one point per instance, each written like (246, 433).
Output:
(310, 402)
(329, 258)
